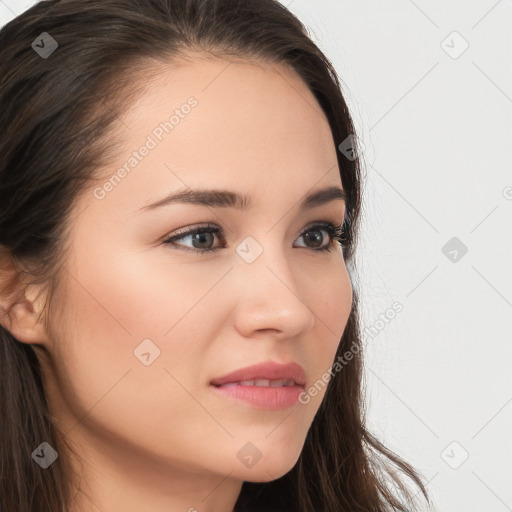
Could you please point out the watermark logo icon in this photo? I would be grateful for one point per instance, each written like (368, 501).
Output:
(349, 148)
(454, 249)
(249, 250)
(44, 45)
(454, 45)
(249, 455)
(146, 352)
(454, 455)
(45, 455)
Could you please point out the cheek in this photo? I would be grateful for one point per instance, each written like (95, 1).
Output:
(117, 306)
(108, 311)
(151, 295)
(331, 303)
(330, 298)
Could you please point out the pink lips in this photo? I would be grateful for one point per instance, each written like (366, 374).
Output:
(268, 370)
(263, 397)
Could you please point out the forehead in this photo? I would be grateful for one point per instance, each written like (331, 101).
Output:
(239, 103)
(214, 122)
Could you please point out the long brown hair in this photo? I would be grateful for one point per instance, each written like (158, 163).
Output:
(55, 114)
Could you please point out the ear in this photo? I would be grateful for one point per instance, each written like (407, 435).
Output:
(21, 306)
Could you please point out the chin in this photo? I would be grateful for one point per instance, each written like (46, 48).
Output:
(270, 469)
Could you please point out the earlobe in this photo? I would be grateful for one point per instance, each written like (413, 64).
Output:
(20, 314)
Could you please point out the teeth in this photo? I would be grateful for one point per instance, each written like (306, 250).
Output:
(266, 383)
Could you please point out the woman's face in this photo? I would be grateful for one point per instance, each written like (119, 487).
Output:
(144, 326)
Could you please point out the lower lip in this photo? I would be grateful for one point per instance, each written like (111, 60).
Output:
(270, 398)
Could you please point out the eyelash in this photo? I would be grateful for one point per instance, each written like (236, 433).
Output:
(335, 232)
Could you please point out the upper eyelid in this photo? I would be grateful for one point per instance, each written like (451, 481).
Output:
(221, 230)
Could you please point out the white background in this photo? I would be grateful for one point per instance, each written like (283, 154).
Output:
(437, 136)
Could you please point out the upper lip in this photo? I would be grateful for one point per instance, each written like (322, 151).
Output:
(268, 370)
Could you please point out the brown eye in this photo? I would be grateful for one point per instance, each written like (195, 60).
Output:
(313, 235)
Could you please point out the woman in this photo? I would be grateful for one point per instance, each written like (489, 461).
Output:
(177, 226)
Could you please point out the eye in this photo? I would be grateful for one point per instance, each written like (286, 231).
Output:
(203, 236)
(199, 235)
(334, 231)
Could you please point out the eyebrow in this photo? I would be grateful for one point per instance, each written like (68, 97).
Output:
(229, 199)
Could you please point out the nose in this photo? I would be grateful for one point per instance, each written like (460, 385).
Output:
(270, 298)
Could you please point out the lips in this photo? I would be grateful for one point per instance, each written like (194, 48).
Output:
(267, 374)
(263, 383)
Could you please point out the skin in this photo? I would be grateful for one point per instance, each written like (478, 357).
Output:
(157, 437)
